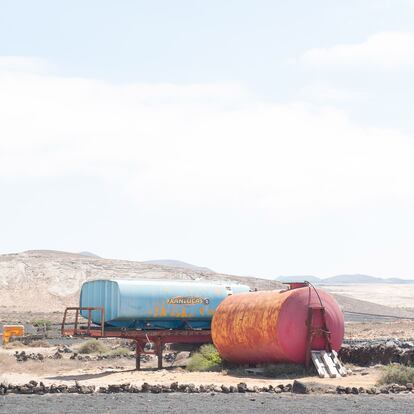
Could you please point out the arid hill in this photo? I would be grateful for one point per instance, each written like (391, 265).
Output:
(47, 281)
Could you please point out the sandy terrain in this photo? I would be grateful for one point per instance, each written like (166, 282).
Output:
(399, 296)
(121, 370)
(401, 329)
(100, 373)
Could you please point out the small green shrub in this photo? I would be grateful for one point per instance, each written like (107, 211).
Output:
(93, 347)
(119, 352)
(210, 353)
(43, 323)
(206, 359)
(284, 370)
(397, 374)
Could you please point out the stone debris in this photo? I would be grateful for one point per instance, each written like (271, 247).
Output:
(298, 387)
(64, 350)
(170, 357)
(23, 356)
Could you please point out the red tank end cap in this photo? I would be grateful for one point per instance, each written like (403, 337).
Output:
(292, 328)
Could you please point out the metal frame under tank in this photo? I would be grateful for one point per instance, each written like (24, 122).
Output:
(158, 337)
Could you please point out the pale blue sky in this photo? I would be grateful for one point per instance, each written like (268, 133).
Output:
(252, 137)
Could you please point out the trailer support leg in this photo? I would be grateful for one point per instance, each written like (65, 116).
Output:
(137, 356)
(159, 353)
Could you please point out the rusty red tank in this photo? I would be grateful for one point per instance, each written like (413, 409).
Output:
(271, 326)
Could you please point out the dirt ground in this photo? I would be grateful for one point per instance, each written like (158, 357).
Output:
(387, 294)
(401, 329)
(121, 370)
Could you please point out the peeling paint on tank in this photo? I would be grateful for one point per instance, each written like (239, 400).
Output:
(158, 302)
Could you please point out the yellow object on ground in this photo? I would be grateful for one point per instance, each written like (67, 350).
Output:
(12, 330)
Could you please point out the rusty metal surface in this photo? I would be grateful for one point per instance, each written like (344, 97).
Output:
(245, 325)
(158, 337)
(93, 331)
(271, 326)
(167, 335)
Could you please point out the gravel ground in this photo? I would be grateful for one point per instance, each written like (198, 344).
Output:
(180, 403)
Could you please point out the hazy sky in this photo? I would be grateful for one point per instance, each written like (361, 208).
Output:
(253, 137)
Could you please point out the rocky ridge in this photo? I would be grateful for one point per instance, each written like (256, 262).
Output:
(47, 281)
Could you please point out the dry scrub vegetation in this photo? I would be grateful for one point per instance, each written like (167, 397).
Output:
(97, 347)
(119, 352)
(32, 344)
(93, 347)
(397, 374)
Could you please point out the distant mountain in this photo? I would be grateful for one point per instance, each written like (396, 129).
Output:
(89, 254)
(178, 263)
(345, 279)
(340, 279)
(311, 279)
(60, 253)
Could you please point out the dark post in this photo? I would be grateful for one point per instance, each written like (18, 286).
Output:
(159, 353)
(309, 337)
(89, 320)
(62, 329)
(76, 321)
(102, 321)
(137, 355)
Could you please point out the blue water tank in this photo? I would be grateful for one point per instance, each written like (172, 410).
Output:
(155, 304)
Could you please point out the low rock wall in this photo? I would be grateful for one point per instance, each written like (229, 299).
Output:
(367, 354)
(298, 387)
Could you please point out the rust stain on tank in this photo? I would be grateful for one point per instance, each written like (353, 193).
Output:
(258, 315)
(269, 326)
(172, 312)
(163, 311)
